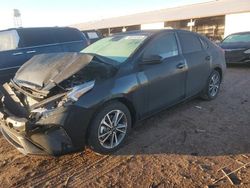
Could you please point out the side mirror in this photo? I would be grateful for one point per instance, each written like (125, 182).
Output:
(152, 59)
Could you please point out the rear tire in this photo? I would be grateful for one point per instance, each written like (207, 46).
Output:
(212, 88)
(109, 128)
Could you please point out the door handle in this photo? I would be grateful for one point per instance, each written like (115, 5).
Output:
(17, 53)
(181, 65)
(31, 52)
(208, 58)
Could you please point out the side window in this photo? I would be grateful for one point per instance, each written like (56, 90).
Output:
(46, 36)
(9, 40)
(68, 35)
(36, 37)
(189, 42)
(165, 46)
(204, 43)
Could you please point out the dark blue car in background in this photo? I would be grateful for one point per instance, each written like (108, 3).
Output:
(237, 47)
(20, 44)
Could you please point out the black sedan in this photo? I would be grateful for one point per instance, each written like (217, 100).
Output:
(237, 47)
(60, 103)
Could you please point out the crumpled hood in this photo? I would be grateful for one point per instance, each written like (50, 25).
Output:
(46, 70)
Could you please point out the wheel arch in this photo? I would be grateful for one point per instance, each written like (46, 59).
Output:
(120, 99)
(127, 103)
(220, 71)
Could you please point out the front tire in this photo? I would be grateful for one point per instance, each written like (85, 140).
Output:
(109, 128)
(212, 88)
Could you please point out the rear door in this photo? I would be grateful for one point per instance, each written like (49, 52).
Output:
(166, 80)
(198, 61)
(11, 55)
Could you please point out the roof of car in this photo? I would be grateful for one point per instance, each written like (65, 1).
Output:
(241, 33)
(151, 32)
(38, 28)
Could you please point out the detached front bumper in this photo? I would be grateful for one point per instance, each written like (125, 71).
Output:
(40, 141)
(55, 131)
(19, 141)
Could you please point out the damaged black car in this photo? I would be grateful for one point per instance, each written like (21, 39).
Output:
(60, 103)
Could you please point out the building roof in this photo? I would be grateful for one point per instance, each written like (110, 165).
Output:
(200, 10)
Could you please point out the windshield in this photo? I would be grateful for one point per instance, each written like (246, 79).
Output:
(237, 38)
(118, 48)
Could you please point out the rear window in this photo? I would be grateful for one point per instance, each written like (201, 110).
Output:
(45, 36)
(189, 43)
(8, 40)
(92, 35)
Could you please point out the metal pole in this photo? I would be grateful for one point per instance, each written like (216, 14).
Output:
(191, 25)
(108, 31)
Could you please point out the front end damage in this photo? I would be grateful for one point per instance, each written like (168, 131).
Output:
(38, 105)
(36, 126)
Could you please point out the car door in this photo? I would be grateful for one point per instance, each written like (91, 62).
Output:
(198, 61)
(11, 55)
(39, 41)
(165, 80)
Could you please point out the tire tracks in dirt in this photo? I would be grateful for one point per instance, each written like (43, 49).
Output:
(111, 163)
(45, 176)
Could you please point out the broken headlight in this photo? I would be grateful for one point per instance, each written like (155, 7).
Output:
(79, 90)
(76, 92)
(72, 96)
(247, 51)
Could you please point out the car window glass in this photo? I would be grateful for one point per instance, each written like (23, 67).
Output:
(204, 43)
(36, 37)
(237, 38)
(118, 47)
(165, 46)
(92, 35)
(68, 35)
(8, 40)
(46, 36)
(189, 43)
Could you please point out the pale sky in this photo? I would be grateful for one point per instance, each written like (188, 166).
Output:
(67, 12)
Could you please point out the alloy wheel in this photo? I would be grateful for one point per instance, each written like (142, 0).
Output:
(214, 85)
(112, 129)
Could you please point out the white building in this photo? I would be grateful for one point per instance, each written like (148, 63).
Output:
(214, 19)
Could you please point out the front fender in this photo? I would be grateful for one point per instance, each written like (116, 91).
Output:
(123, 87)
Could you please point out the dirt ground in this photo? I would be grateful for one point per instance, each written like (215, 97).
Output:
(186, 146)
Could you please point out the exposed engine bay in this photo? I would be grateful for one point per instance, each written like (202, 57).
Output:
(25, 101)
